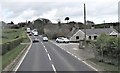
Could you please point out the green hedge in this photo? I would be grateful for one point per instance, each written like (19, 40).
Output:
(11, 45)
(107, 49)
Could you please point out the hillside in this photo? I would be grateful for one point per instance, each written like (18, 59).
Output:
(52, 30)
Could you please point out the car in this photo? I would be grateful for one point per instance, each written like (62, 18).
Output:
(35, 39)
(45, 39)
(66, 40)
(62, 40)
(35, 33)
(30, 34)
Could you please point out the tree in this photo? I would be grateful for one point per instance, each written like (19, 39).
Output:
(59, 22)
(29, 22)
(101, 44)
(12, 22)
(66, 19)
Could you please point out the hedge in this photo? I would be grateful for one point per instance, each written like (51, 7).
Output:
(11, 45)
(107, 49)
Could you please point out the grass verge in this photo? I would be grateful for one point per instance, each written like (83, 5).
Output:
(11, 55)
(105, 66)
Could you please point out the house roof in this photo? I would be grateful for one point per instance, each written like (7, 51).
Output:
(98, 31)
(72, 32)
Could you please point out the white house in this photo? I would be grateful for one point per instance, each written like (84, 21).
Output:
(92, 34)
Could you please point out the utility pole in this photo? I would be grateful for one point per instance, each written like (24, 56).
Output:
(85, 25)
(118, 35)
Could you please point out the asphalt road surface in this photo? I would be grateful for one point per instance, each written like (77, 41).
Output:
(46, 56)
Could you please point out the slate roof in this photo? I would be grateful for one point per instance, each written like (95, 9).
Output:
(98, 31)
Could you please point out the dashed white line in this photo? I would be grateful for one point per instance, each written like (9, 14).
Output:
(46, 50)
(79, 59)
(49, 57)
(54, 68)
(76, 56)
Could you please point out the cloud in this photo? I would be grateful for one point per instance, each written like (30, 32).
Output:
(21, 10)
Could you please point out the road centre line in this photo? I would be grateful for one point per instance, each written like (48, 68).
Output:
(54, 69)
(49, 57)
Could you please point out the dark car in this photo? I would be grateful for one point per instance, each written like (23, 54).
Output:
(35, 39)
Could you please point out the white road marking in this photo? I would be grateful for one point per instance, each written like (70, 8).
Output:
(20, 62)
(89, 65)
(46, 50)
(49, 57)
(77, 57)
(54, 69)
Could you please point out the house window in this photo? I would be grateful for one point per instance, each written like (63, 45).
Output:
(77, 37)
(89, 37)
(95, 37)
(114, 35)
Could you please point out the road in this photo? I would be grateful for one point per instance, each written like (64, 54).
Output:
(46, 56)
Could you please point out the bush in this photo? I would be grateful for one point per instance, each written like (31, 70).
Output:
(107, 49)
(11, 45)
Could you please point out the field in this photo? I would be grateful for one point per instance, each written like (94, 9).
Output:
(9, 35)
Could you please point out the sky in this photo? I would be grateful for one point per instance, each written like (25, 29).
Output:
(97, 11)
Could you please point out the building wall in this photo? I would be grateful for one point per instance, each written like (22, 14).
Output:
(79, 34)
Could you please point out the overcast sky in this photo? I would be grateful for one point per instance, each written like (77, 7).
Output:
(22, 10)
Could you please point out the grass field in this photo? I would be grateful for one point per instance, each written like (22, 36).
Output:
(8, 35)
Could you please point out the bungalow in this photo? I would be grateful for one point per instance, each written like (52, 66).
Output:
(92, 34)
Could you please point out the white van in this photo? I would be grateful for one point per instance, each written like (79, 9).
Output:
(28, 30)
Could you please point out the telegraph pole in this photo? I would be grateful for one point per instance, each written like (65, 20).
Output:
(85, 25)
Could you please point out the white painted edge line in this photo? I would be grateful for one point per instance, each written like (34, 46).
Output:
(54, 69)
(77, 57)
(89, 65)
(20, 62)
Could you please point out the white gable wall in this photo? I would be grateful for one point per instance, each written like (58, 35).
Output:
(80, 34)
(113, 33)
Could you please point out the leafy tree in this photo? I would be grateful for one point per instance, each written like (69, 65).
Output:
(66, 19)
(29, 22)
(101, 44)
(112, 47)
(12, 22)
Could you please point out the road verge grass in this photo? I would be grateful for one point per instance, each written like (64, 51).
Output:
(105, 66)
(11, 55)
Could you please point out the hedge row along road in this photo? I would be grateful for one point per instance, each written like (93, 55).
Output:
(11, 46)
